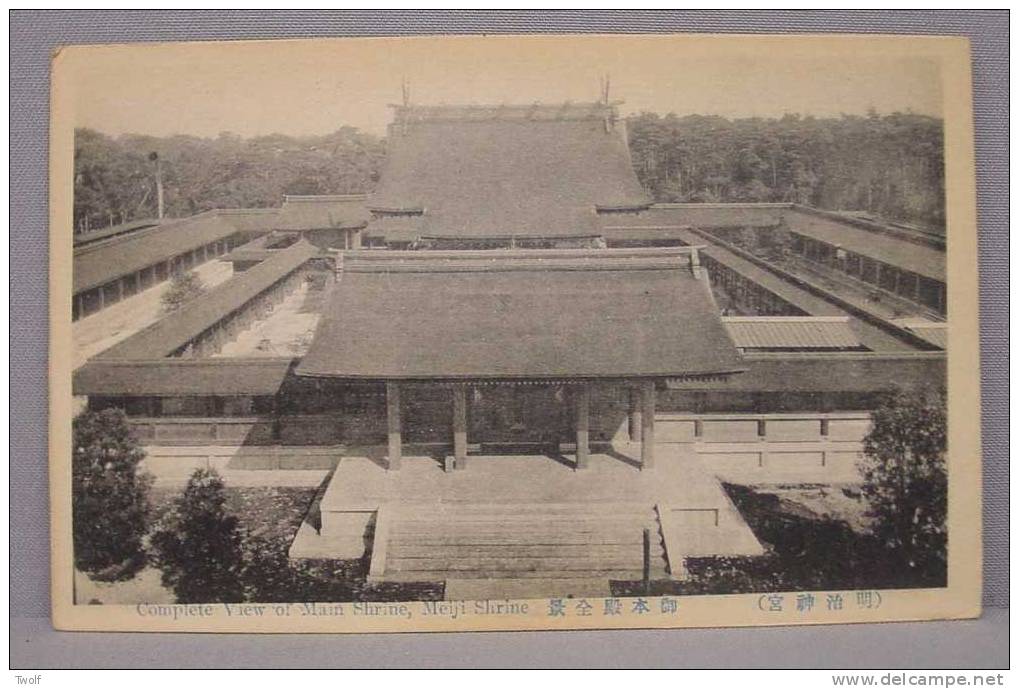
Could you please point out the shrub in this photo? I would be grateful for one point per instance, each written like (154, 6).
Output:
(184, 287)
(110, 505)
(197, 544)
(905, 481)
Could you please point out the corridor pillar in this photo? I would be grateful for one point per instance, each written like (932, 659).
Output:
(393, 425)
(460, 426)
(647, 442)
(583, 414)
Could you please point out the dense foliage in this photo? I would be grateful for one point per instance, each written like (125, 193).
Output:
(197, 544)
(184, 287)
(114, 178)
(887, 165)
(257, 567)
(110, 503)
(905, 480)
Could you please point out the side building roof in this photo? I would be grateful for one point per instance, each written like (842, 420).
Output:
(105, 233)
(663, 216)
(173, 377)
(920, 258)
(870, 239)
(521, 314)
(339, 211)
(177, 329)
(98, 264)
(791, 332)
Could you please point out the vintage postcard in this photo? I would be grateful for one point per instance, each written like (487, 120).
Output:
(516, 332)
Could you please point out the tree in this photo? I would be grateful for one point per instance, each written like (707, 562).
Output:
(891, 165)
(905, 481)
(184, 287)
(197, 544)
(110, 505)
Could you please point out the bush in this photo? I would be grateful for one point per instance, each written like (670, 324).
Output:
(110, 505)
(905, 481)
(198, 545)
(184, 287)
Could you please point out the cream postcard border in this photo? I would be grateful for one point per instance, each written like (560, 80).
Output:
(960, 599)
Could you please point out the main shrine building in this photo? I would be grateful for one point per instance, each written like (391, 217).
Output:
(515, 363)
(503, 284)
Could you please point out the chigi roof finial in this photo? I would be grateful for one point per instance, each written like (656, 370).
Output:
(405, 90)
(607, 110)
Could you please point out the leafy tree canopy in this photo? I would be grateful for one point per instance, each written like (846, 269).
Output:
(889, 165)
(114, 178)
(110, 503)
(184, 287)
(905, 480)
(197, 544)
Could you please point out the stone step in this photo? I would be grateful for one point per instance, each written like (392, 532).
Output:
(606, 508)
(429, 521)
(547, 523)
(619, 575)
(519, 589)
(579, 550)
(511, 535)
(526, 564)
(519, 540)
(523, 541)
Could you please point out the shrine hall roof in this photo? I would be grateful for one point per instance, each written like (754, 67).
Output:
(520, 314)
(474, 171)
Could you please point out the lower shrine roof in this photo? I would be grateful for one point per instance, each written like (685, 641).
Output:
(521, 314)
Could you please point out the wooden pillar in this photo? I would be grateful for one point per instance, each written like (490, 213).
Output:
(460, 426)
(647, 441)
(393, 425)
(583, 410)
(634, 415)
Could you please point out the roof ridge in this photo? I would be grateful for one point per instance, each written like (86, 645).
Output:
(511, 260)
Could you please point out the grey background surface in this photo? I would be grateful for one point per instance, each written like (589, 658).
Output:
(35, 34)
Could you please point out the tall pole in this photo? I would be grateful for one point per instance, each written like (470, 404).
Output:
(159, 181)
(159, 186)
(646, 574)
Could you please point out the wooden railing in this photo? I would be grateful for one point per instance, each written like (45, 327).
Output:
(751, 427)
(303, 429)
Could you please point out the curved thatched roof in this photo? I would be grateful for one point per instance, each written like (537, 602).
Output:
(523, 171)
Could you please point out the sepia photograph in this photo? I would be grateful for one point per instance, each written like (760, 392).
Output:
(513, 333)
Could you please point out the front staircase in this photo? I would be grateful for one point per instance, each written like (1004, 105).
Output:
(522, 541)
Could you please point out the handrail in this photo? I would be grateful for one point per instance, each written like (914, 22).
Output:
(380, 544)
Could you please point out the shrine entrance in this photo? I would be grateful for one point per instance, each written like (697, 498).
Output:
(519, 417)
